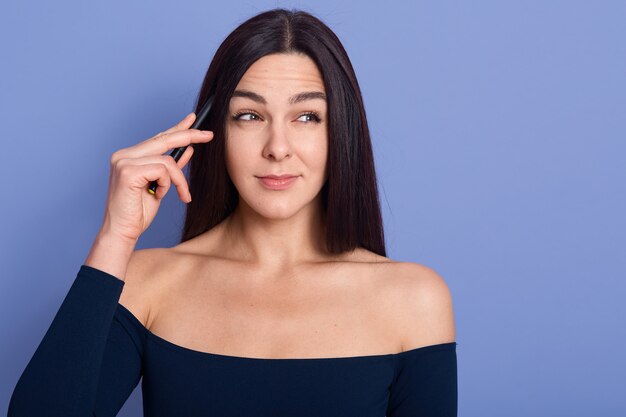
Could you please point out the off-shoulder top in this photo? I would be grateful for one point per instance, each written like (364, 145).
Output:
(96, 351)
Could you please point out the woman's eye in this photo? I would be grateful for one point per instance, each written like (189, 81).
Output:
(310, 117)
(238, 116)
(313, 117)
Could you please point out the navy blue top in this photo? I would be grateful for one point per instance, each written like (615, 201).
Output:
(96, 351)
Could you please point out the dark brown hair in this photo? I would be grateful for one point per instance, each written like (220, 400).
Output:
(350, 195)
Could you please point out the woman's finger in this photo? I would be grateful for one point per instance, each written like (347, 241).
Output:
(163, 143)
(174, 172)
(185, 157)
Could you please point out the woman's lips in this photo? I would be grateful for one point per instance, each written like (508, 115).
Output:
(277, 184)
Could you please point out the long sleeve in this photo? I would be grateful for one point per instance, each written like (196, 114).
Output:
(425, 383)
(89, 360)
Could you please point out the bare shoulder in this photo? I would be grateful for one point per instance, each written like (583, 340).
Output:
(422, 305)
(414, 297)
(142, 282)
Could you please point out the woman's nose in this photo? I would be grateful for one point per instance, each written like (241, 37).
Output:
(278, 145)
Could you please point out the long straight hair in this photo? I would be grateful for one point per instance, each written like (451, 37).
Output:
(350, 195)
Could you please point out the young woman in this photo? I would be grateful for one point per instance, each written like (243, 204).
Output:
(279, 300)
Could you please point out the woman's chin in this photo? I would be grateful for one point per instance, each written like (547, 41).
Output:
(275, 208)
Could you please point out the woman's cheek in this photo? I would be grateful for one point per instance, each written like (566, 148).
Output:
(316, 152)
(241, 159)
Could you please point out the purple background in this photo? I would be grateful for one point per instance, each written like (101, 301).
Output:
(500, 143)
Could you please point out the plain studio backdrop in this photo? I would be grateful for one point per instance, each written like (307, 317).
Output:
(500, 143)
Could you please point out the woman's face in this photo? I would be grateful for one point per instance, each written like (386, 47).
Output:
(271, 130)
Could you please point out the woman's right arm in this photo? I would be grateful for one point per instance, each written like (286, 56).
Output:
(85, 354)
(89, 360)
(110, 254)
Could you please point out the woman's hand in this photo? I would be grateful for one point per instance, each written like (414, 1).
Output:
(130, 208)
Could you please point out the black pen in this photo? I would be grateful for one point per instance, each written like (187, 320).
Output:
(178, 152)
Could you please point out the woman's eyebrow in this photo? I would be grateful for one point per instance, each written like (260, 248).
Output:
(296, 98)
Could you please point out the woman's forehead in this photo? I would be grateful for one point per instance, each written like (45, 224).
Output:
(284, 71)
